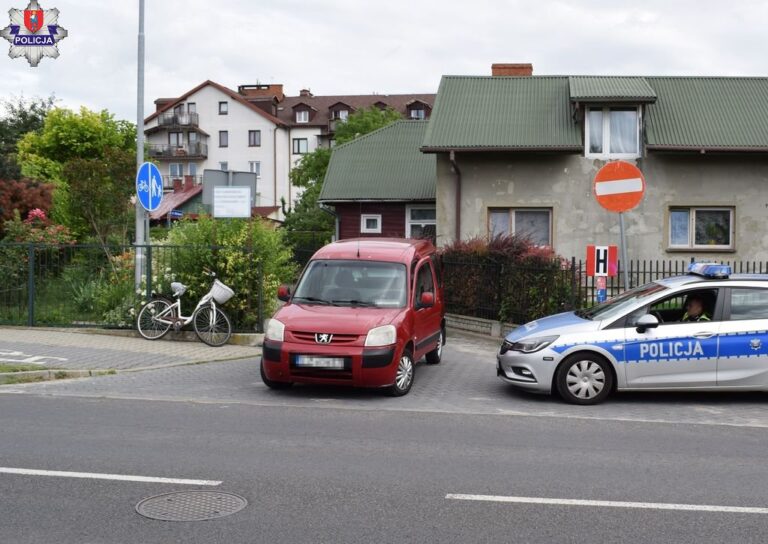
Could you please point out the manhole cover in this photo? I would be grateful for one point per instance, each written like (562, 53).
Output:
(191, 506)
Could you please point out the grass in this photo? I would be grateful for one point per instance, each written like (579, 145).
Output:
(5, 367)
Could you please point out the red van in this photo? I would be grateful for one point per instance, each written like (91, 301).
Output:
(363, 313)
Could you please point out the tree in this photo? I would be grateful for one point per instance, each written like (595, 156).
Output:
(20, 197)
(306, 215)
(69, 136)
(364, 121)
(21, 116)
(102, 187)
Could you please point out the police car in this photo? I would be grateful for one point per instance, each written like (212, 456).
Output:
(704, 331)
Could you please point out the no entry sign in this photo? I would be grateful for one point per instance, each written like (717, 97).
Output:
(619, 186)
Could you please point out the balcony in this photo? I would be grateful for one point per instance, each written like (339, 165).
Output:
(166, 152)
(170, 120)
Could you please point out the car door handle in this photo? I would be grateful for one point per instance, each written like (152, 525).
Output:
(703, 335)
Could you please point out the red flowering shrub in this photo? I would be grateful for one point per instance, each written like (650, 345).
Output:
(22, 196)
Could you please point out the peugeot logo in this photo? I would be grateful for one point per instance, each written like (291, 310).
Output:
(322, 338)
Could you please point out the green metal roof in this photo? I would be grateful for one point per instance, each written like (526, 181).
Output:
(502, 113)
(714, 113)
(383, 165)
(610, 89)
(536, 113)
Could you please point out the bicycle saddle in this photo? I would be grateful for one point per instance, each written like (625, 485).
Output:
(178, 288)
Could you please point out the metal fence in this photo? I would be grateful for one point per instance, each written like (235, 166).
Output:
(93, 285)
(305, 243)
(518, 293)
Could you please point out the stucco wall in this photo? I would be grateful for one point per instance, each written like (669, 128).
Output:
(564, 183)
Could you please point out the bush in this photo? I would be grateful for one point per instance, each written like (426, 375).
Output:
(507, 279)
(20, 197)
(248, 256)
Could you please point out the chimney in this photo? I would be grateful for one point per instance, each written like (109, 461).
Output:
(176, 185)
(306, 93)
(519, 70)
(189, 182)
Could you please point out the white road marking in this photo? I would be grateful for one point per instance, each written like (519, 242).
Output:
(98, 476)
(8, 356)
(611, 504)
(603, 188)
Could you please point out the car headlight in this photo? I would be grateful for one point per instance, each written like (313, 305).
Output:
(275, 330)
(528, 345)
(381, 336)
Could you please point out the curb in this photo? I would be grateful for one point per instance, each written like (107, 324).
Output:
(51, 374)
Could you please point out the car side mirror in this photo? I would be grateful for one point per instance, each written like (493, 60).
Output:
(646, 322)
(427, 300)
(284, 293)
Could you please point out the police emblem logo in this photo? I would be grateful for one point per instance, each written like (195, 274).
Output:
(323, 338)
(34, 33)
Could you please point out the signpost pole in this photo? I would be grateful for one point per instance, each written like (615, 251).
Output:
(141, 214)
(624, 262)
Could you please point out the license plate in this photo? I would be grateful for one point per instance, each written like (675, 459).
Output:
(307, 361)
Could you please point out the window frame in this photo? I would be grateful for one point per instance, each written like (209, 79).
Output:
(420, 114)
(179, 168)
(178, 137)
(225, 109)
(691, 245)
(302, 116)
(298, 141)
(409, 222)
(224, 166)
(254, 138)
(225, 139)
(363, 227)
(251, 168)
(606, 110)
(191, 107)
(511, 211)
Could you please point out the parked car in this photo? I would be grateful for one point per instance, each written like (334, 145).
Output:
(704, 331)
(362, 314)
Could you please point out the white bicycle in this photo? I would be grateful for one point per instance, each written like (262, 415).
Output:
(211, 324)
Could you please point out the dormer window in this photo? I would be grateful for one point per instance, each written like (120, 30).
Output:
(302, 116)
(342, 115)
(612, 133)
(418, 113)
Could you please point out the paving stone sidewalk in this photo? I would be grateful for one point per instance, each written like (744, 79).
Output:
(81, 350)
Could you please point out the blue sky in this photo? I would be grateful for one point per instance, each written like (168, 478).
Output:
(397, 46)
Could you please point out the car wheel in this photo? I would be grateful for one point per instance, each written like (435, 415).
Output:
(436, 355)
(584, 379)
(403, 375)
(272, 384)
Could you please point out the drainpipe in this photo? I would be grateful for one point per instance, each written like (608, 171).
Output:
(335, 219)
(457, 171)
(274, 161)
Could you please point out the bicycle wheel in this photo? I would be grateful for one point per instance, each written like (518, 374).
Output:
(148, 326)
(212, 326)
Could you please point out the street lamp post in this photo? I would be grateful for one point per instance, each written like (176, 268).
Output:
(141, 214)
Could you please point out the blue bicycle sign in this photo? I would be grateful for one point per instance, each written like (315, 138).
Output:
(149, 186)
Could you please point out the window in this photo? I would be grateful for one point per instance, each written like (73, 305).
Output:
(420, 222)
(701, 228)
(223, 108)
(612, 132)
(191, 107)
(177, 110)
(418, 113)
(192, 138)
(370, 224)
(192, 169)
(300, 146)
(255, 167)
(749, 304)
(254, 138)
(532, 223)
(224, 165)
(223, 138)
(176, 139)
(424, 283)
(302, 116)
(176, 170)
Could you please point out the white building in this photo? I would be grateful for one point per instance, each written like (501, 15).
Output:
(254, 129)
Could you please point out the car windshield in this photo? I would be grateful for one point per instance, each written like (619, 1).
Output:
(618, 304)
(353, 283)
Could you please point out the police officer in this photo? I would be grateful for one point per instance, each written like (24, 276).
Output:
(694, 309)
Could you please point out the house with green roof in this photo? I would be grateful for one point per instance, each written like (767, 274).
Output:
(381, 185)
(519, 153)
